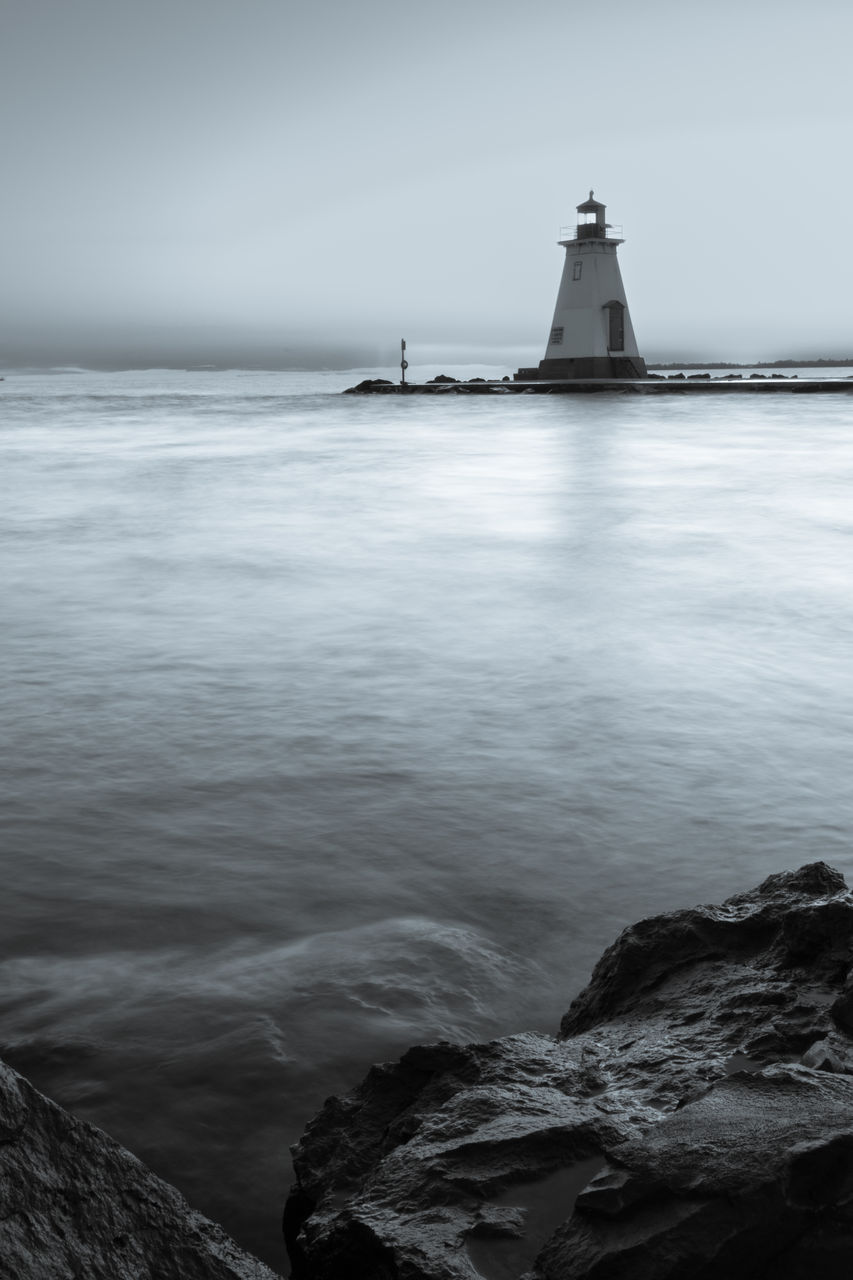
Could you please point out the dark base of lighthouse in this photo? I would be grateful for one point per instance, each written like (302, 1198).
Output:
(585, 367)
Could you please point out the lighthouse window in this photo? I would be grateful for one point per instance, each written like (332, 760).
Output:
(556, 336)
(576, 270)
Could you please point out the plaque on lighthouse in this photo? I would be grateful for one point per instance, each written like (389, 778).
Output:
(591, 334)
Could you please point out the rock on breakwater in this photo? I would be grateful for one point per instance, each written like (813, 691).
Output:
(693, 1118)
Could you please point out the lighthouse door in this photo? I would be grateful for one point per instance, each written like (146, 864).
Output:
(616, 336)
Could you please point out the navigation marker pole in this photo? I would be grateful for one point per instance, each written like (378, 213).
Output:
(404, 364)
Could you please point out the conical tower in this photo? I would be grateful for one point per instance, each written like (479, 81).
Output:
(591, 333)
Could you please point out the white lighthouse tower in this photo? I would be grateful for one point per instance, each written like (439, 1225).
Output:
(591, 333)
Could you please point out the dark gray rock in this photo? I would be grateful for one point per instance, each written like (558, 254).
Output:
(694, 1119)
(74, 1205)
(368, 385)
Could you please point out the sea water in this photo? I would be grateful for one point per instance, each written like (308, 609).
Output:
(334, 724)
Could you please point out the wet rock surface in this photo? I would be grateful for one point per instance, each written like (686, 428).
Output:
(73, 1203)
(694, 1118)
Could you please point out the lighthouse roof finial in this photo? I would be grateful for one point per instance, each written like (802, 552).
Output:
(591, 205)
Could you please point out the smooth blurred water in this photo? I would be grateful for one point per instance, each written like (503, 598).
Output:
(334, 723)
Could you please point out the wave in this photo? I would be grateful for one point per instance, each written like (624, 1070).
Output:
(412, 973)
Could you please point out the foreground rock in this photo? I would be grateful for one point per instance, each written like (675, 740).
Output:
(693, 1119)
(73, 1203)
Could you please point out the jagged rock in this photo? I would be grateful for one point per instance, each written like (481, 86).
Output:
(74, 1205)
(369, 384)
(692, 1121)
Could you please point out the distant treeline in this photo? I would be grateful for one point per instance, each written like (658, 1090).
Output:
(757, 364)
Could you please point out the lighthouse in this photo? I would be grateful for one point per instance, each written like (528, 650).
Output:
(591, 333)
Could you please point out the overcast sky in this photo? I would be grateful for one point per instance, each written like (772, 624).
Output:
(244, 179)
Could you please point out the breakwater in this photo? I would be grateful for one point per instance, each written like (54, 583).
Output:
(679, 384)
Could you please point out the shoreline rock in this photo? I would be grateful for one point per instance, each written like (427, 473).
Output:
(693, 1118)
(76, 1204)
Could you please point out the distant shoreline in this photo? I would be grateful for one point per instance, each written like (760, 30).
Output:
(757, 364)
(13, 370)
